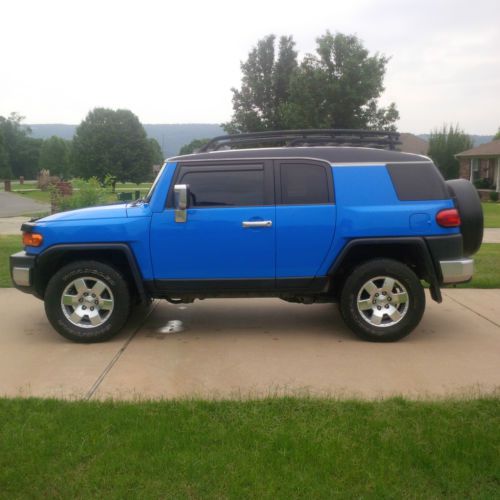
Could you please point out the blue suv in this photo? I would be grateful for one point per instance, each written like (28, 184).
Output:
(315, 216)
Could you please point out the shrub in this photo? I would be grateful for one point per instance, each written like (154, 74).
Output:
(494, 196)
(86, 194)
(483, 183)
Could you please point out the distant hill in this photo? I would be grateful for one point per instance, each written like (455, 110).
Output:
(476, 139)
(170, 136)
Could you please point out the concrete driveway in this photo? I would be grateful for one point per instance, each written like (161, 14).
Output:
(15, 205)
(253, 347)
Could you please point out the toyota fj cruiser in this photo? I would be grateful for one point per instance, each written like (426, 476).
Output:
(320, 216)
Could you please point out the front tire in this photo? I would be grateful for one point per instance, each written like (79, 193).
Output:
(87, 301)
(382, 300)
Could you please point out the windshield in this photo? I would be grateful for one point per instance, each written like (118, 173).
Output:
(152, 189)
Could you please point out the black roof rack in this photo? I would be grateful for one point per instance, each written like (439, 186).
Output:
(379, 139)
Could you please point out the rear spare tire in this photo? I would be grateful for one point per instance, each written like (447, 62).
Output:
(471, 214)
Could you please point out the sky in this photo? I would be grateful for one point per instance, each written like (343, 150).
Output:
(175, 62)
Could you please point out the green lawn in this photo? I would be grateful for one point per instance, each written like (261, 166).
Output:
(38, 195)
(274, 448)
(491, 214)
(487, 267)
(8, 246)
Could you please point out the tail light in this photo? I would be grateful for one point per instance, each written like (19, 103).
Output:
(448, 218)
(32, 239)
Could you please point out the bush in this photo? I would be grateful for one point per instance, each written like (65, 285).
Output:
(483, 183)
(86, 194)
(494, 196)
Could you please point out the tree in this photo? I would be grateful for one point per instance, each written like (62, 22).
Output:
(337, 87)
(112, 143)
(54, 156)
(5, 170)
(497, 135)
(193, 146)
(444, 144)
(23, 151)
(157, 156)
(265, 86)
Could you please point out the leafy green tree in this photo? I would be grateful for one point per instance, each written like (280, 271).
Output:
(54, 156)
(265, 86)
(497, 135)
(444, 144)
(156, 153)
(112, 143)
(336, 87)
(339, 87)
(193, 146)
(23, 151)
(5, 170)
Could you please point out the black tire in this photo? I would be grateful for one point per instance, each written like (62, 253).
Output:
(114, 314)
(361, 322)
(471, 214)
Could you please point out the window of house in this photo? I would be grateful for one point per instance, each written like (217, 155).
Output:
(303, 184)
(225, 188)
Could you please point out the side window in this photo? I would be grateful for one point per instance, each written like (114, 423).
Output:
(225, 188)
(304, 184)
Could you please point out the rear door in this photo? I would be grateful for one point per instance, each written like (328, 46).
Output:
(229, 233)
(305, 216)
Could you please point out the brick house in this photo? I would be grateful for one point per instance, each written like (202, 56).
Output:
(482, 162)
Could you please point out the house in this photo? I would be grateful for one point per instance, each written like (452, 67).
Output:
(481, 165)
(411, 143)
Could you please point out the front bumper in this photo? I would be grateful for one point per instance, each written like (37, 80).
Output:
(22, 268)
(457, 271)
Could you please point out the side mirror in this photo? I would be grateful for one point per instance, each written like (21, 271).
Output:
(181, 202)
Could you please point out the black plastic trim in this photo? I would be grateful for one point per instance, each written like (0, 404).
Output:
(232, 287)
(432, 269)
(55, 250)
(28, 227)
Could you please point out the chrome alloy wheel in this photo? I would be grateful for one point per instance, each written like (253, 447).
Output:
(87, 302)
(382, 301)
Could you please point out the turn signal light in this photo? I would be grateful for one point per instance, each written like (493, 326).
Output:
(32, 239)
(448, 218)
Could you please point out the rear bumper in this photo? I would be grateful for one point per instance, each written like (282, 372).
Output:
(457, 271)
(22, 268)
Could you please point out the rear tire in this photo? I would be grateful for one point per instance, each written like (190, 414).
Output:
(382, 300)
(87, 301)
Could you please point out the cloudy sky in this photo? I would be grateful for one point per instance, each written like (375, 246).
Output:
(175, 62)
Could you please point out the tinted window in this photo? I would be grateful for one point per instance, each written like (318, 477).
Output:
(417, 181)
(303, 184)
(225, 188)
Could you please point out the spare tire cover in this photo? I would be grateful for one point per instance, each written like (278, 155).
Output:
(471, 213)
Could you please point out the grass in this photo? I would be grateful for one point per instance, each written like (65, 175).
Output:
(38, 195)
(273, 448)
(491, 214)
(487, 267)
(8, 246)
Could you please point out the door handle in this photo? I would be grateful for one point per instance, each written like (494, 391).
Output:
(257, 223)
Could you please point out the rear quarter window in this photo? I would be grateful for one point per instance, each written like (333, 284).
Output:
(417, 181)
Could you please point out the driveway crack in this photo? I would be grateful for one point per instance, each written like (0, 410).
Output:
(472, 310)
(118, 354)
